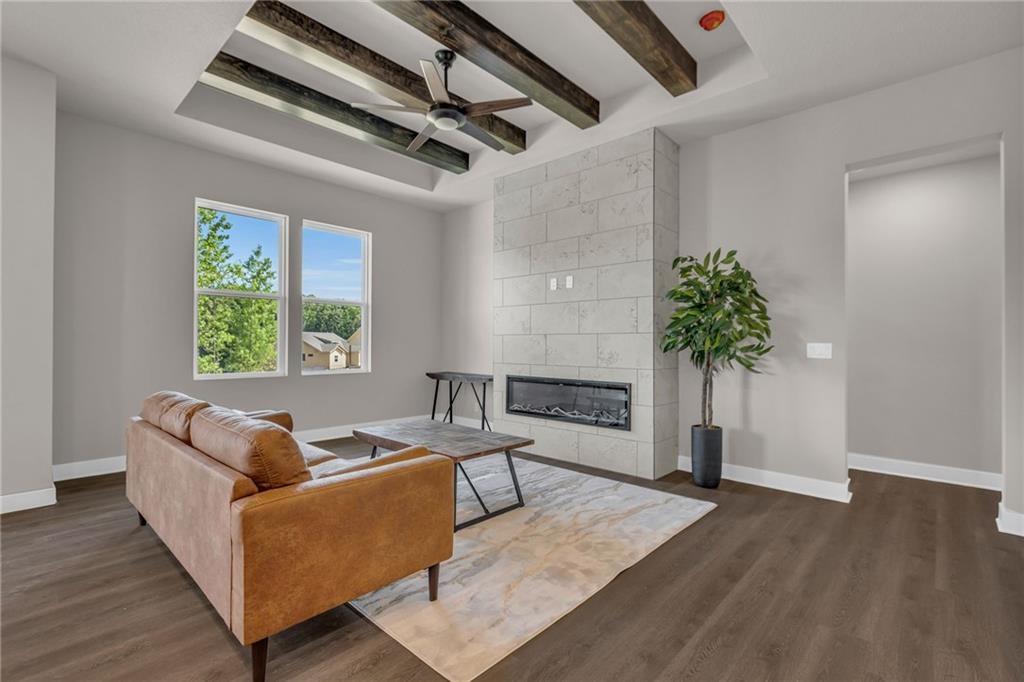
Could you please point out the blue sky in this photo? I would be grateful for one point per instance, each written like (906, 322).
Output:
(331, 261)
(331, 264)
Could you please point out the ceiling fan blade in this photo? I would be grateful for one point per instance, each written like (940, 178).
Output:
(480, 135)
(494, 105)
(389, 107)
(422, 137)
(434, 82)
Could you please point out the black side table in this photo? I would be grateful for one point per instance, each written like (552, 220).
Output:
(453, 393)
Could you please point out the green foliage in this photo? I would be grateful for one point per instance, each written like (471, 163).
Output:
(234, 334)
(721, 319)
(342, 320)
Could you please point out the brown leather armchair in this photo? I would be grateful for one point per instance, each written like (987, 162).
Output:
(274, 531)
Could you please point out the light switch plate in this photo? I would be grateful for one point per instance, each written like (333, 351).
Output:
(568, 281)
(554, 284)
(819, 351)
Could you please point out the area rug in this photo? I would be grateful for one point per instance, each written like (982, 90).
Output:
(514, 575)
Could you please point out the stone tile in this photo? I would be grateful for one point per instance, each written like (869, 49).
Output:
(563, 254)
(666, 386)
(641, 423)
(499, 241)
(571, 349)
(616, 177)
(528, 349)
(523, 290)
(645, 460)
(645, 169)
(666, 421)
(634, 208)
(555, 371)
(524, 232)
(554, 194)
(517, 181)
(604, 452)
(665, 360)
(663, 144)
(584, 286)
(512, 320)
(512, 205)
(623, 350)
(555, 318)
(626, 279)
(605, 248)
(645, 315)
(572, 221)
(626, 146)
(666, 457)
(666, 210)
(611, 316)
(503, 369)
(573, 163)
(496, 346)
(618, 375)
(554, 442)
(512, 263)
(644, 387)
(666, 175)
(666, 244)
(496, 293)
(645, 242)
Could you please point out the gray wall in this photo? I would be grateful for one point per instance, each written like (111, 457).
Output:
(124, 230)
(29, 109)
(775, 191)
(607, 216)
(924, 309)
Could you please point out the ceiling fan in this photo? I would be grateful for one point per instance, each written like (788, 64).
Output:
(444, 114)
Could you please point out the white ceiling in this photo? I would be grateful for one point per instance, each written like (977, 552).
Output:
(135, 65)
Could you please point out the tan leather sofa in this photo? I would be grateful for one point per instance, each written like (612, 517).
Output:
(275, 531)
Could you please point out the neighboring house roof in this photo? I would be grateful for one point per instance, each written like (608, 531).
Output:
(325, 342)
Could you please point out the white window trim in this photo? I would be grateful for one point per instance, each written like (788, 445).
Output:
(365, 351)
(281, 296)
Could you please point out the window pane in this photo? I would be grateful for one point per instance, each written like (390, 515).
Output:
(236, 335)
(332, 265)
(236, 252)
(332, 337)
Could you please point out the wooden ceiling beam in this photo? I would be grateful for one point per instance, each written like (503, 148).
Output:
(284, 28)
(468, 34)
(638, 30)
(238, 77)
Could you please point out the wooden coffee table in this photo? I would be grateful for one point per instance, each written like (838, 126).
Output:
(451, 440)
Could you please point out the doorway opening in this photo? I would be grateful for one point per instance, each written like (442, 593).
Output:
(925, 238)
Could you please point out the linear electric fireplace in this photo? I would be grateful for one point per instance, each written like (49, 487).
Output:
(597, 403)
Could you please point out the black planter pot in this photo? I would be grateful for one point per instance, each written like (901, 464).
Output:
(706, 456)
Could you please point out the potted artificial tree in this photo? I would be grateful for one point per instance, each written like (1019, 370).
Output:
(721, 319)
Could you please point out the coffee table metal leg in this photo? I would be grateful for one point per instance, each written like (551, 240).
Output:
(473, 488)
(373, 453)
(491, 514)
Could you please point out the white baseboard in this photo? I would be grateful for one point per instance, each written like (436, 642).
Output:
(90, 467)
(1010, 521)
(30, 499)
(928, 472)
(332, 432)
(801, 485)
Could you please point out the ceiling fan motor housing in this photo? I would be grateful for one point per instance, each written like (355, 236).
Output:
(446, 116)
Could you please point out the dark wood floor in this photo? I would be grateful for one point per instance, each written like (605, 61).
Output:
(909, 582)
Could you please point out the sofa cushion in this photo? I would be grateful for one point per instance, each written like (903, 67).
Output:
(172, 412)
(279, 417)
(314, 455)
(262, 450)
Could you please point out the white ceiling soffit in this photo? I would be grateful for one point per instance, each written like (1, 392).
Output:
(133, 64)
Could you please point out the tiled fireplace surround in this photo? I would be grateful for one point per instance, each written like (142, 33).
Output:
(609, 218)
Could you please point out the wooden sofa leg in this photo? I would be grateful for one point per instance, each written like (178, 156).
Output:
(432, 574)
(142, 519)
(259, 659)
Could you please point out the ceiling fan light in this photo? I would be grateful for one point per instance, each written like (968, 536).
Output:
(445, 123)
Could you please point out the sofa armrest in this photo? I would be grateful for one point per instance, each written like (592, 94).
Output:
(304, 549)
(280, 417)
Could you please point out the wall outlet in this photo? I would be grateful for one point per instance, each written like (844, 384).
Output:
(554, 284)
(568, 281)
(819, 351)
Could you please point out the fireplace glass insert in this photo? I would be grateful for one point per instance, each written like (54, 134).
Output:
(596, 403)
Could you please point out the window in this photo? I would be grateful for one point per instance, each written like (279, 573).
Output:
(335, 299)
(240, 260)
